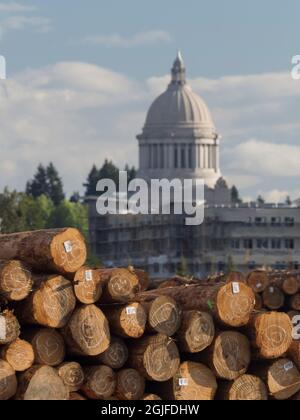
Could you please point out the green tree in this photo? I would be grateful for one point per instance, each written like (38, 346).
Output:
(235, 195)
(68, 214)
(109, 171)
(39, 184)
(10, 215)
(35, 212)
(131, 172)
(55, 185)
(46, 181)
(91, 182)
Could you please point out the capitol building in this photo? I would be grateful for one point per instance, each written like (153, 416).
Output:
(179, 140)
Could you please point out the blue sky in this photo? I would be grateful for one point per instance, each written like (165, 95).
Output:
(93, 68)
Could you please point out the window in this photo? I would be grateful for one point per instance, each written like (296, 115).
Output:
(290, 244)
(156, 268)
(176, 157)
(252, 265)
(190, 157)
(235, 244)
(276, 221)
(289, 221)
(276, 243)
(183, 164)
(260, 221)
(248, 244)
(262, 243)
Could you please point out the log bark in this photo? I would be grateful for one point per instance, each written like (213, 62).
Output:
(100, 382)
(120, 285)
(245, 388)
(273, 298)
(41, 383)
(9, 327)
(19, 354)
(295, 302)
(193, 381)
(87, 285)
(229, 356)
(270, 334)
(57, 250)
(87, 333)
(72, 375)
(231, 304)
(282, 378)
(127, 321)
(116, 355)
(196, 332)
(177, 281)
(130, 385)
(164, 315)
(258, 281)
(15, 281)
(50, 305)
(236, 276)
(155, 357)
(144, 279)
(8, 381)
(48, 346)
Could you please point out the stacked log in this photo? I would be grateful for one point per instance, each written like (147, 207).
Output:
(69, 331)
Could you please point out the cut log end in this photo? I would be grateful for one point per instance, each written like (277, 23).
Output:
(231, 355)
(155, 357)
(273, 298)
(127, 321)
(271, 334)
(194, 381)
(164, 316)
(122, 285)
(130, 385)
(196, 333)
(235, 303)
(295, 302)
(291, 285)
(100, 382)
(87, 333)
(116, 355)
(42, 383)
(15, 281)
(9, 327)
(151, 397)
(8, 381)
(19, 354)
(48, 346)
(258, 281)
(246, 388)
(87, 285)
(283, 379)
(72, 375)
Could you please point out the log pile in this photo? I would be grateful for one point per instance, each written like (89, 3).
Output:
(73, 332)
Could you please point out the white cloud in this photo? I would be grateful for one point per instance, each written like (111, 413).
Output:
(13, 7)
(122, 41)
(266, 158)
(18, 23)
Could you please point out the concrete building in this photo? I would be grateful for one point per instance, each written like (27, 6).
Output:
(179, 140)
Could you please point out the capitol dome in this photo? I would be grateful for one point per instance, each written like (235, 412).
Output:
(179, 110)
(179, 138)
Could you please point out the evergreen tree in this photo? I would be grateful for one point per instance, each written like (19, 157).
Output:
(92, 181)
(75, 197)
(260, 200)
(109, 171)
(288, 201)
(55, 185)
(235, 196)
(39, 185)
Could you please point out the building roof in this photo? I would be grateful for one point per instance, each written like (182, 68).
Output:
(179, 111)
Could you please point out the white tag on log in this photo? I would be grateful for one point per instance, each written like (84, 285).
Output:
(272, 290)
(183, 382)
(2, 328)
(235, 288)
(68, 247)
(259, 286)
(89, 275)
(130, 310)
(288, 366)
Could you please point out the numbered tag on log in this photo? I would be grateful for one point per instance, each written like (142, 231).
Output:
(288, 366)
(183, 382)
(272, 290)
(2, 328)
(131, 311)
(89, 275)
(235, 288)
(259, 286)
(68, 246)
